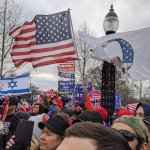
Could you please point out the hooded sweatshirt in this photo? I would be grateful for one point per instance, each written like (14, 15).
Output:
(146, 108)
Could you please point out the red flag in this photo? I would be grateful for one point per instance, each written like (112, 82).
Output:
(5, 109)
(46, 40)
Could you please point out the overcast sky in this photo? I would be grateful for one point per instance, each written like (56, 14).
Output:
(132, 14)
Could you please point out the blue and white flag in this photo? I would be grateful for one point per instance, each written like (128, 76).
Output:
(15, 85)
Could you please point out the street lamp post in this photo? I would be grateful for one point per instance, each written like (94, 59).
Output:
(110, 25)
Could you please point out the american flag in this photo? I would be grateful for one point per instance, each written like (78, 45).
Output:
(132, 106)
(96, 95)
(46, 40)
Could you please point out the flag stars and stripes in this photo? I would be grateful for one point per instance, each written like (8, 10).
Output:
(48, 39)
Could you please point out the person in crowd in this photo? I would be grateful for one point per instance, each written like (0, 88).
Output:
(90, 107)
(92, 116)
(92, 136)
(53, 133)
(22, 108)
(146, 120)
(12, 107)
(134, 130)
(1, 129)
(55, 108)
(124, 112)
(119, 113)
(37, 132)
(15, 119)
(142, 110)
(37, 109)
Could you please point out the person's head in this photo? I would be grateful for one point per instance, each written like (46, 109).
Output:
(92, 136)
(53, 133)
(142, 110)
(134, 130)
(56, 106)
(146, 120)
(92, 116)
(78, 109)
(38, 109)
(13, 102)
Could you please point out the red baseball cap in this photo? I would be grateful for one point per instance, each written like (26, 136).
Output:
(123, 112)
(58, 102)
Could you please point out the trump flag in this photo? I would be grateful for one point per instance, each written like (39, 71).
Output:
(15, 85)
(129, 51)
(45, 40)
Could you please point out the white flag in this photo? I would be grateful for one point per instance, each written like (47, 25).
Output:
(129, 51)
(15, 85)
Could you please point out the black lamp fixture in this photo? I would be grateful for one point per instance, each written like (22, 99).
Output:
(110, 25)
(111, 22)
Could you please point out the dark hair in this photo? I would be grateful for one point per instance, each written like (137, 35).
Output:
(41, 108)
(105, 138)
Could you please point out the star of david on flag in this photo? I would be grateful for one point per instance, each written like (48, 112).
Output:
(12, 84)
(15, 85)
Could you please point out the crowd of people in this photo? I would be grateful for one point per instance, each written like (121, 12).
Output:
(58, 126)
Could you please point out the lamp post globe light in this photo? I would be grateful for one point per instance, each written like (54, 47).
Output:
(110, 25)
(111, 22)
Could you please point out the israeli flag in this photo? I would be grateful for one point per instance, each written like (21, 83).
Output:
(15, 85)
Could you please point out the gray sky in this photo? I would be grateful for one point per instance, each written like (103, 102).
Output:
(132, 14)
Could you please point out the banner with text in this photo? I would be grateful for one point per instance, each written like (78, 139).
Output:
(66, 86)
(66, 75)
(70, 67)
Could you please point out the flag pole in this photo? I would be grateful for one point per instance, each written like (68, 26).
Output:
(30, 86)
(74, 41)
(75, 46)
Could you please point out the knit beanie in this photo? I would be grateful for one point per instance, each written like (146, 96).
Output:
(137, 125)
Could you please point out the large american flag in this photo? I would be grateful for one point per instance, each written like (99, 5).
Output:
(46, 40)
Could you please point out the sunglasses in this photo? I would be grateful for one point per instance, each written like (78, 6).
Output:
(128, 135)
